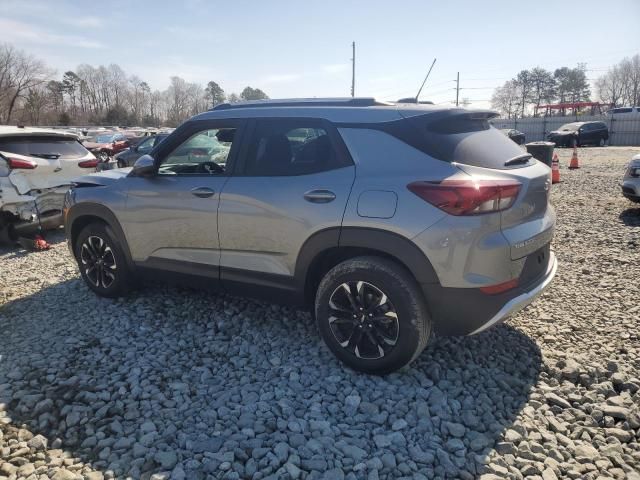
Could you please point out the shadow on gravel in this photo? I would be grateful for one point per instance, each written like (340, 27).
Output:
(631, 217)
(172, 380)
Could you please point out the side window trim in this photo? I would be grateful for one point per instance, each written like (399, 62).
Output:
(188, 129)
(343, 158)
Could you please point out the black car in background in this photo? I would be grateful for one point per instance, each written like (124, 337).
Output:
(577, 134)
(515, 135)
(128, 157)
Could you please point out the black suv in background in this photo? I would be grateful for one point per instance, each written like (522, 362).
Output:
(577, 134)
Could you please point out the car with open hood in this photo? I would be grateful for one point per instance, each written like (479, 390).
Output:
(37, 167)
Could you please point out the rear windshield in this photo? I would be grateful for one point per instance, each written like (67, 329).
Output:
(42, 146)
(465, 138)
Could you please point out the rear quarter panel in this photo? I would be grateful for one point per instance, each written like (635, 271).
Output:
(386, 164)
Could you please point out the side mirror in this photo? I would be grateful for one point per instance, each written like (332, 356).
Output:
(145, 166)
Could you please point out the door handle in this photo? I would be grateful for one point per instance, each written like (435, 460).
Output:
(319, 196)
(202, 192)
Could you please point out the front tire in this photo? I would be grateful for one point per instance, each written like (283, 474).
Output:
(101, 261)
(372, 315)
(103, 157)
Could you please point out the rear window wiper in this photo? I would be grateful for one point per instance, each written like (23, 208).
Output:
(524, 158)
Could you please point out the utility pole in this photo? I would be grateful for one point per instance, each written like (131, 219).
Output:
(353, 69)
(457, 88)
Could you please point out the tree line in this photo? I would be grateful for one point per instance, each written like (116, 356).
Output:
(537, 86)
(93, 95)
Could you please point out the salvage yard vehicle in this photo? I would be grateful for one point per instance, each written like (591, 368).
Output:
(105, 145)
(631, 182)
(36, 169)
(515, 135)
(128, 157)
(577, 134)
(389, 221)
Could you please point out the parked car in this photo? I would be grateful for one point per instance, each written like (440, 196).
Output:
(36, 169)
(631, 182)
(128, 157)
(105, 145)
(515, 135)
(371, 214)
(577, 134)
(624, 112)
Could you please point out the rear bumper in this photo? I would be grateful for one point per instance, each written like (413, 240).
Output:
(521, 301)
(467, 311)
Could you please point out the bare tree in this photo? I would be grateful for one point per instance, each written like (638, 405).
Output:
(22, 72)
(621, 84)
(35, 103)
(505, 99)
(610, 87)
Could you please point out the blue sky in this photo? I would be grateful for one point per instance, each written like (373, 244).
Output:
(298, 48)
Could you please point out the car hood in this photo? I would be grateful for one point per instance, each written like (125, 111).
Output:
(106, 177)
(562, 133)
(91, 145)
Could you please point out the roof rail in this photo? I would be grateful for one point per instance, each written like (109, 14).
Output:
(304, 102)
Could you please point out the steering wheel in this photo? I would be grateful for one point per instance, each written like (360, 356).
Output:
(209, 167)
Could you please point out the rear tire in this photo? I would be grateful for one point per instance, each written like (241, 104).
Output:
(602, 142)
(372, 314)
(101, 261)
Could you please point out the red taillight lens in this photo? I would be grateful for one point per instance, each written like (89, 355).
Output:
(88, 163)
(499, 288)
(20, 163)
(468, 197)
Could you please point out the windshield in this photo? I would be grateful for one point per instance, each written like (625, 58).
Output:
(570, 127)
(43, 147)
(104, 138)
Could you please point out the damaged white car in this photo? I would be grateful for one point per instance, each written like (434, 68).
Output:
(37, 167)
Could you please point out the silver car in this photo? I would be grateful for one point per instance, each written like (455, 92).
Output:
(391, 222)
(631, 182)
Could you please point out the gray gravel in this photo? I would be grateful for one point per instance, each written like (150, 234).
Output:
(171, 383)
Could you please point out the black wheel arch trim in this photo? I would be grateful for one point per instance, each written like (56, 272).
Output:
(388, 243)
(96, 210)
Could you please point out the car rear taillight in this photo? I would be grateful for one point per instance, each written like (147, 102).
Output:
(468, 197)
(20, 163)
(93, 163)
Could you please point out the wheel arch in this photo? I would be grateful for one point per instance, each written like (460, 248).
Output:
(327, 248)
(81, 215)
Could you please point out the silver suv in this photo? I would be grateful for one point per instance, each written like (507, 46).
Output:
(392, 221)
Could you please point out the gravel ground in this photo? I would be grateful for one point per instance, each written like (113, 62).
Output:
(171, 383)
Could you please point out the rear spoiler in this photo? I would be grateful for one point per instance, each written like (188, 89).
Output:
(458, 120)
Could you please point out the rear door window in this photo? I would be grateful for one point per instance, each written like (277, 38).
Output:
(286, 147)
(49, 147)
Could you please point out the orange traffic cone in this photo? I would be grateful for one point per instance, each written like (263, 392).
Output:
(574, 160)
(555, 169)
